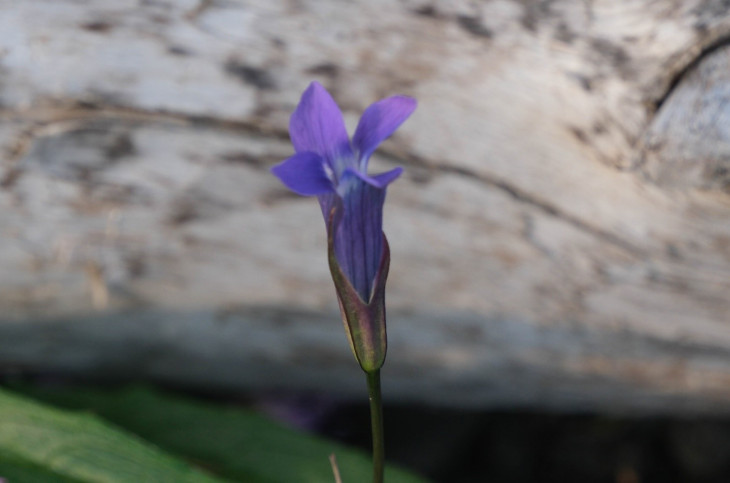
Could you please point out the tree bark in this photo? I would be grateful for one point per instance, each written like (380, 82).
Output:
(561, 236)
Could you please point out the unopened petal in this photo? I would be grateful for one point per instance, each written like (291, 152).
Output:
(358, 239)
(378, 122)
(304, 174)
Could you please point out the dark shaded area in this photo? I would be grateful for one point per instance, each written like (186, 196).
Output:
(254, 76)
(453, 446)
(470, 446)
(98, 27)
(474, 26)
(327, 69)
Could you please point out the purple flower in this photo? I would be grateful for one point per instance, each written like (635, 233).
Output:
(333, 168)
(328, 165)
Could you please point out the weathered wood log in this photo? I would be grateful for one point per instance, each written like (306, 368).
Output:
(560, 237)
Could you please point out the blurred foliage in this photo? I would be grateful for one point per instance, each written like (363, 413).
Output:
(42, 444)
(232, 443)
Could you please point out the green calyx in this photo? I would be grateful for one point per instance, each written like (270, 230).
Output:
(364, 321)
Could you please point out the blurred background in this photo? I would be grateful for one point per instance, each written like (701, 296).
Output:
(557, 301)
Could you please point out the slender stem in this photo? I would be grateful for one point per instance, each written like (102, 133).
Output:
(335, 468)
(376, 422)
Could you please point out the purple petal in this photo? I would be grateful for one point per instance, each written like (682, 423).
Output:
(379, 121)
(317, 125)
(304, 174)
(381, 180)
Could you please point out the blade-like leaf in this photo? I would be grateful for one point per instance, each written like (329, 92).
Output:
(43, 444)
(233, 442)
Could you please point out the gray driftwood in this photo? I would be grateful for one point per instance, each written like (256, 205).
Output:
(561, 236)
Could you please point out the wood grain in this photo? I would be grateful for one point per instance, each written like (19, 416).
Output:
(538, 255)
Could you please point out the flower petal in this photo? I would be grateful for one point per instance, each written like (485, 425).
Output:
(304, 174)
(378, 122)
(317, 125)
(381, 180)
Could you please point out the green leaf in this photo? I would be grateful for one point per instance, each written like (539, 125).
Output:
(43, 444)
(19, 470)
(233, 442)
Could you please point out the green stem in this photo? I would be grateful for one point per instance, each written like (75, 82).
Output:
(376, 422)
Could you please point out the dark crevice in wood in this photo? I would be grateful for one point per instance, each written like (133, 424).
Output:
(523, 196)
(43, 118)
(718, 44)
(141, 115)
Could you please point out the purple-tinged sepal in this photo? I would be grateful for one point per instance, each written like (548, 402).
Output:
(364, 320)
